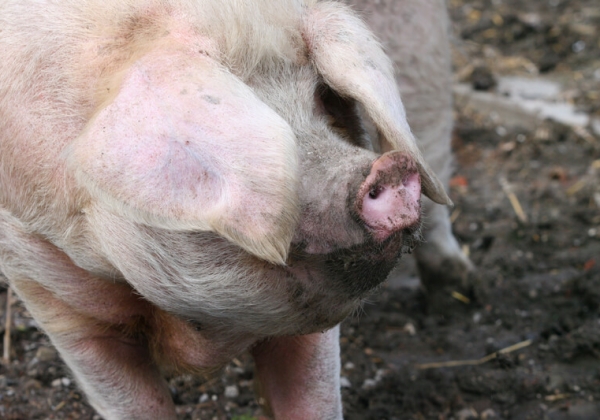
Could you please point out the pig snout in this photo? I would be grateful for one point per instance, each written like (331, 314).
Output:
(389, 200)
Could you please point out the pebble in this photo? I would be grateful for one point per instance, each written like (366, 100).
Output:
(410, 328)
(45, 354)
(488, 414)
(32, 384)
(345, 382)
(232, 391)
(369, 383)
(467, 414)
(203, 398)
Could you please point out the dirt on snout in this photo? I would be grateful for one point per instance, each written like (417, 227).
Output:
(525, 344)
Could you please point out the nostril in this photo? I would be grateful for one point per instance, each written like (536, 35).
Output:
(375, 192)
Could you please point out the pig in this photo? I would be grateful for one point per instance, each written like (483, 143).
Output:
(415, 34)
(182, 181)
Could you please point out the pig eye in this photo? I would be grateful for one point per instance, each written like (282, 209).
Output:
(344, 116)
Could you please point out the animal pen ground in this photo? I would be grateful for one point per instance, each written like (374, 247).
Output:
(527, 209)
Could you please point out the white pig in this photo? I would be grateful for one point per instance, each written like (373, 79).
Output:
(415, 34)
(185, 180)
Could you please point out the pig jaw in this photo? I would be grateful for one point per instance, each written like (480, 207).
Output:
(349, 275)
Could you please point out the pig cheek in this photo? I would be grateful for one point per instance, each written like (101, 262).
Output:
(316, 295)
(319, 234)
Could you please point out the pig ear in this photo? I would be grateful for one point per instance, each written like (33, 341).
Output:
(186, 145)
(353, 63)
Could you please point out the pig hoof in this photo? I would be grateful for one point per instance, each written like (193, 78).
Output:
(449, 282)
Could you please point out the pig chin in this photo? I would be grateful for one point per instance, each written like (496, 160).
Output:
(352, 273)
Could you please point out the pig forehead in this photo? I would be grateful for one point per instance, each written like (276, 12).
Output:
(290, 91)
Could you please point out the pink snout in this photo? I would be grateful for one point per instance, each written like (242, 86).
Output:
(389, 200)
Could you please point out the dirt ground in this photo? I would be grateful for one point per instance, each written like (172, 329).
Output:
(538, 267)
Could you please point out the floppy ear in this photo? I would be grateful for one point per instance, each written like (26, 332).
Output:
(352, 62)
(186, 145)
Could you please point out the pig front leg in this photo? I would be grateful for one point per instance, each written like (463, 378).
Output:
(93, 323)
(115, 371)
(300, 376)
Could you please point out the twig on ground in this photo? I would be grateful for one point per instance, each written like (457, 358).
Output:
(459, 296)
(7, 327)
(584, 134)
(576, 187)
(514, 201)
(556, 397)
(474, 362)
(454, 215)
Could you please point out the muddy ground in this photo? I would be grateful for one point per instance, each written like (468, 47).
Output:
(539, 268)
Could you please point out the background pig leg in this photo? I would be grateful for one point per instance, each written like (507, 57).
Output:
(415, 35)
(300, 376)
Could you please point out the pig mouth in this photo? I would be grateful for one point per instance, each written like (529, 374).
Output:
(356, 271)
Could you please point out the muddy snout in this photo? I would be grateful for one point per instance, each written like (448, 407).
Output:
(389, 200)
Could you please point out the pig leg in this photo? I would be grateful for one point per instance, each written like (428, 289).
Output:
(300, 376)
(93, 332)
(116, 372)
(415, 35)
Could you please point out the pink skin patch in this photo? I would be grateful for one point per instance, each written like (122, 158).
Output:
(389, 200)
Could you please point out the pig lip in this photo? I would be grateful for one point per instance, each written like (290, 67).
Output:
(358, 270)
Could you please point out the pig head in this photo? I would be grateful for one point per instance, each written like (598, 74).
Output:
(182, 181)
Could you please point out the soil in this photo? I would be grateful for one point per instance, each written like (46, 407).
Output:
(538, 271)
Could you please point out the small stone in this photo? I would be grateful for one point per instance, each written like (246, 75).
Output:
(65, 381)
(32, 384)
(56, 383)
(349, 366)
(578, 46)
(488, 414)
(33, 373)
(467, 414)
(345, 382)
(410, 328)
(203, 398)
(482, 78)
(46, 354)
(232, 391)
(380, 374)
(369, 384)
